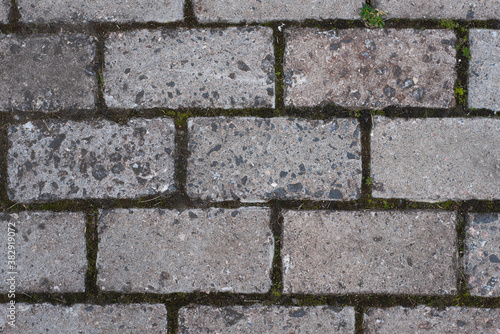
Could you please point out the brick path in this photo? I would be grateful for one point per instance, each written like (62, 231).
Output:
(249, 167)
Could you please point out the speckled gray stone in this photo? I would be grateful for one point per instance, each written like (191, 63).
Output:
(271, 10)
(44, 11)
(425, 319)
(482, 254)
(4, 11)
(50, 251)
(86, 318)
(484, 72)
(47, 72)
(207, 68)
(440, 9)
(266, 319)
(370, 68)
(50, 160)
(165, 251)
(389, 252)
(256, 159)
(434, 159)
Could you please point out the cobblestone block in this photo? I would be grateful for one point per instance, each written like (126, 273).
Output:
(256, 159)
(207, 68)
(266, 319)
(50, 253)
(235, 11)
(484, 72)
(50, 160)
(370, 68)
(439, 9)
(163, 251)
(42, 11)
(424, 319)
(4, 11)
(436, 159)
(482, 256)
(47, 72)
(85, 318)
(345, 252)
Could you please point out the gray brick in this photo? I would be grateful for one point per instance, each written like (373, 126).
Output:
(165, 251)
(345, 252)
(266, 319)
(85, 318)
(256, 159)
(42, 11)
(435, 159)
(271, 10)
(50, 251)
(4, 11)
(484, 72)
(207, 68)
(482, 255)
(50, 160)
(47, 72)
(439, 9)
(370, 68)
(424, 319)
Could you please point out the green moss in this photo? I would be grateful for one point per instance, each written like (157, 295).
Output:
(448, 24)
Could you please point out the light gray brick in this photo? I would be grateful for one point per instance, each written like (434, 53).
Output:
(482, 254)
(165, 251)
(424, 319)
(50, 159)
(71, 11)
(370, 68)
(271, 10)
(346, 252)
(207, 68)
(46, 72)
(4, 11)
(266, 319)
(435, 159)
(256, 159)
(50, 252)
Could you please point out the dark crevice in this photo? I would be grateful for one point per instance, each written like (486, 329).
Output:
(91, 237)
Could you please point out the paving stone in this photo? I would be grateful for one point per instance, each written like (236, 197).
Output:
(4, 11)
(370, 68)
(50, 252)
(235, 11)
(255, 159)
(207, 68)
(86, 318)
(434, 159)
(266, 319)
(482, 255)
(484, 72)
(42, 11)
(390, 252)
(165, 251)
(424, 319)
(47, 72)
(51, 160)
(439, 9)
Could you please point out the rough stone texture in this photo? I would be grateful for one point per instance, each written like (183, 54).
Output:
(484, 72)
(424, 319)
(436, 159)
(266, 319)
(84, 318)
(50, 160)
(439, 9)
(370, 68)
(482, 255)
(256, 159)
(4, 11)
(208, 68)
(50, 251)
(345, 252)
(47, 72)
(270, 10)
(164, 251)
(42, 11)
